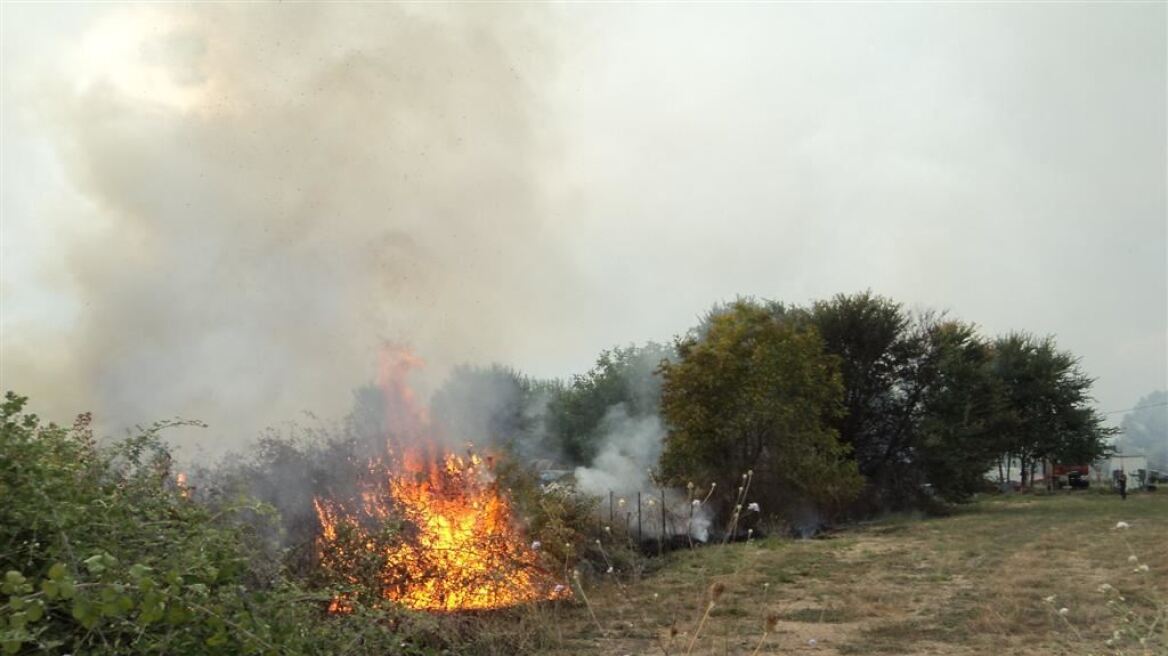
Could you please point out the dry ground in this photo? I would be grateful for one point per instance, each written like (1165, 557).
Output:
(971, 583)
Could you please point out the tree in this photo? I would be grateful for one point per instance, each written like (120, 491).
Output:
(1047, 417)
(752, 392)
(575, 414)
(956, 439)
(885, 361)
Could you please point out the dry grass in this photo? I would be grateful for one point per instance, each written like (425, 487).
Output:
(973, 583)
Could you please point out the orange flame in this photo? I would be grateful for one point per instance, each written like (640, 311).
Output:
(458, 547)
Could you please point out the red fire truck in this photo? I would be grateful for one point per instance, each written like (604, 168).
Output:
(1072, 476)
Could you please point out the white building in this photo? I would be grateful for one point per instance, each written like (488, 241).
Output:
(1133, 464)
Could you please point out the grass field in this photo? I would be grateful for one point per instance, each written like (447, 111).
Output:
(977, 582)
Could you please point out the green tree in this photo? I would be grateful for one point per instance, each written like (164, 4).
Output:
(576, 412)
(887, 364)
(753, 392)
(955, 442)
(1047, 415)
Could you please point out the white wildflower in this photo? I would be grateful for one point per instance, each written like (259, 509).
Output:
(1105, 587)
(697, 502)
(1121, 525)
(1049, 600)
(753, 507)
(1064, 611)
(536, 545)
(812, 642)
(610, 570)
(1142, 568)
(558, 589)
(1132, 559)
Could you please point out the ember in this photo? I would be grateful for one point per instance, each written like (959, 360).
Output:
(458, 547)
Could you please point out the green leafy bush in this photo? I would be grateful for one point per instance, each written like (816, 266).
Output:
(104, 552)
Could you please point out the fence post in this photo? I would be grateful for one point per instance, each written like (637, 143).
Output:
(661, 542)
(639, 538)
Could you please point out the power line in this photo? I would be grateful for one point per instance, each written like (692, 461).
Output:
(1138, 407)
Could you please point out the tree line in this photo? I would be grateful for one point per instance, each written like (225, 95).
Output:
(857, 403)
(853, 403)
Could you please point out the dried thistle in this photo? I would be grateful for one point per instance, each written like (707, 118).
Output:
(716, 590)
(768, 627)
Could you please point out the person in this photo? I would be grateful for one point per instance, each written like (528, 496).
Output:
(1122, 480)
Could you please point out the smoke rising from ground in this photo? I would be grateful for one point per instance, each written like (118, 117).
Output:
(629, 451)
(276, 189)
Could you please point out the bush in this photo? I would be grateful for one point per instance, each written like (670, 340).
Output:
(104, 552)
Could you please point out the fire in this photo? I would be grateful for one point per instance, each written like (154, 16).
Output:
(456, 545)
(180, 483)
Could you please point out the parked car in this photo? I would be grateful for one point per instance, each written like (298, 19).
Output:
(1078, 480)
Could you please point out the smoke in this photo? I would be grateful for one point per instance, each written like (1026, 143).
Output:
(487, 405)
(628, 453)
(630, 448)
(276, 189)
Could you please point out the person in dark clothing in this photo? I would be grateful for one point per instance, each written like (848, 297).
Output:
(1122, 480)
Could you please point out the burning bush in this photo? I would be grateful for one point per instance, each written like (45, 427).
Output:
(429, 529)
(434, 536)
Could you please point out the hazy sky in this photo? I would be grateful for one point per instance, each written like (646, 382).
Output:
(220, 210)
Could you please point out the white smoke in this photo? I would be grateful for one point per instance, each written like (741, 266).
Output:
(629, 451)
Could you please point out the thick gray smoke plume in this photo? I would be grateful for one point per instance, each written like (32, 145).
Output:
(278, 188)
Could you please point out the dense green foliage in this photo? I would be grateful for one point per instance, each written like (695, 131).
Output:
(956, 437)
(926, 407)
(755, 392)
(621, 377)
(1046, 397)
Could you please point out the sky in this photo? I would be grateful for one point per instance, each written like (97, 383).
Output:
(220, 211)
